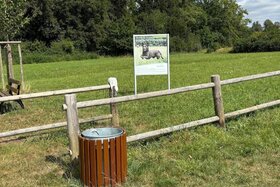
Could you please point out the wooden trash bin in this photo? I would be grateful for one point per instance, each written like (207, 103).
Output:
(103, 156)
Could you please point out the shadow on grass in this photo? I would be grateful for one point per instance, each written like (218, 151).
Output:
(72, 169)
(150, 140)
(40, 134)
(123, 93)
(7, 107)
(251, 114)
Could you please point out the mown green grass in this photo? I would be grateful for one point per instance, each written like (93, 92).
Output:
(245, 154)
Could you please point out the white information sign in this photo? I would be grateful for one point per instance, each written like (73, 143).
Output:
(151, 55)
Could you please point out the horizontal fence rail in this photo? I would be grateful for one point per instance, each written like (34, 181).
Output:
(252, 109)
(49, 94)
(54, 93)
(168, 130)
(99, 102)
(141, 96)
(163, 131)
(11, 42)
(250, 77)
(51, 126)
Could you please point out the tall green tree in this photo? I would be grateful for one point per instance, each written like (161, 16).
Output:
(12, 18)
(256, 27)
(224, 18)
(43, 25)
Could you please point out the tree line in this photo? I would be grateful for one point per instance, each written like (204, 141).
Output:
(260, 38)
(107, 26)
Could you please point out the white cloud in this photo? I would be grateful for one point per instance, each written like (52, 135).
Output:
(260, 10)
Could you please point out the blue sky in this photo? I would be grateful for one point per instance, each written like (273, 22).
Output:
(260, 10)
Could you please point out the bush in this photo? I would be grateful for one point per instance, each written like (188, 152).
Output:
(38, 52)
(191, 44)
(63, 46)
(34, 46)
(213, 47)
(259, 42)
(30, 58)
(177, 44)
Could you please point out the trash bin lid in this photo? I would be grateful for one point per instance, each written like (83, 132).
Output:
(102, 133)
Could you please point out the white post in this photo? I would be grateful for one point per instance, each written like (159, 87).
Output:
(135, 76)
(1, 69)
(72, 125)
(21, 66)
(168, 63)
(113, 106)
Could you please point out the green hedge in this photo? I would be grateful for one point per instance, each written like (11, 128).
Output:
(30, 58)
(38, 52)
(259, 42)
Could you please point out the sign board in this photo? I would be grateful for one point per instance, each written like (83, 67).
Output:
(151, 56)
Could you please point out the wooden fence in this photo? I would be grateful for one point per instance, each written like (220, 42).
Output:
(56, 93)
(216, 84)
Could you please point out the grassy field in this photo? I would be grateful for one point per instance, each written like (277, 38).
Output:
(247, 153)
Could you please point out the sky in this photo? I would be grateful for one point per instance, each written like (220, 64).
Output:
(260, 10)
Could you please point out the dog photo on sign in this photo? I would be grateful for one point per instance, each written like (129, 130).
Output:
(148, 54)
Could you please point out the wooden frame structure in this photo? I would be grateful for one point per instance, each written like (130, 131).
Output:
(216, 86)
(13, 88)
(10, 69)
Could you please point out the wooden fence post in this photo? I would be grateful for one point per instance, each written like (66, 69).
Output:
(10, 70)
(113, 106)
(1, 69)
(218, 100)
(72, 124)
(21, 66)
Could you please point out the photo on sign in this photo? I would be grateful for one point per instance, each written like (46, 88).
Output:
(151, 54)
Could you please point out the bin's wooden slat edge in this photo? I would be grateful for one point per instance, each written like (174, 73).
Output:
(99, 162)
(113, 162)
(106, 162)
(81, 156)
(124, 157)
(92, 163)
(118, 158)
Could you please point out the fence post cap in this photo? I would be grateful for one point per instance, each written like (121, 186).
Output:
(64, 107)
(112, 81)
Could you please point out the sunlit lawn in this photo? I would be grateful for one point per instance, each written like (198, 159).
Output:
(246, 154)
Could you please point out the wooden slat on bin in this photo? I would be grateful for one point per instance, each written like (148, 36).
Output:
(118, 158)
(113, 161)
(99, 163)
(125, 154)
(92, 163)
(87, 158)
(106, 162)
(123, 157)
(81, 156)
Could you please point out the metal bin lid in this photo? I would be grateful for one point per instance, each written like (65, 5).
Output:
(102, 133)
